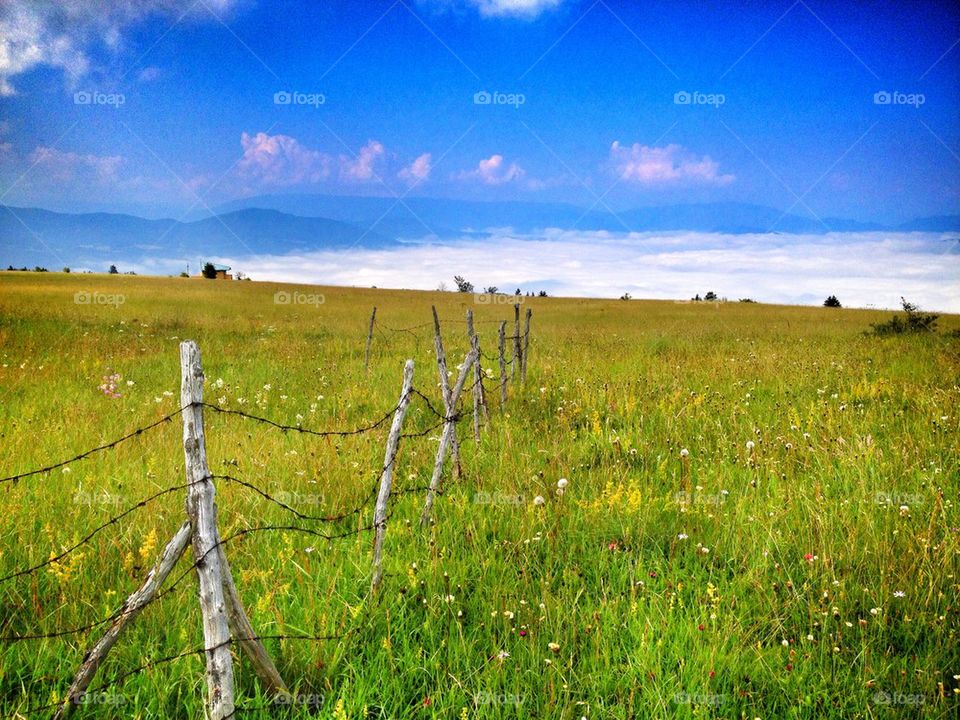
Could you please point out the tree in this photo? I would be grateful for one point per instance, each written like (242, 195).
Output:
(463, 285)
(113, 270)
(66, 269)
(915, 322)
(491, 290)
(542, 293)
(209, 271)
(832, 302)
(710, 296)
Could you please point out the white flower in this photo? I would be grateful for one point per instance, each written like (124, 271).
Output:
(684, 453)
(750, 445)
(785, 643)
(562, 483)
(899, 593)
(502, 655)
(538, 500)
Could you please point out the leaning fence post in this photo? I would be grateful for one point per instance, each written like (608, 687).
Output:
(445, 390)
(386, 477)
(501, 344)
(526, 348)
(373, 317)
(479, 401)
(202, 510)
(136, 602)
(517, 351)
(449, 427)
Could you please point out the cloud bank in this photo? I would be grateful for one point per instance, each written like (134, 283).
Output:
(862, 269)
(671, 164)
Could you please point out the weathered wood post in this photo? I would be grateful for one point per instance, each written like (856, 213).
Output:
(202, 510)
(445, 389)
(479, 402)
(449, 428)
(526, 348)
(501, 343)
(131, 608)
(366, 359)
(386, 477)
(517, 350)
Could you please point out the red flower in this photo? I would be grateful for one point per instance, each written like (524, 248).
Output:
(808, 557)
(712, 674)
(700, 627)
(789, 667)
(427, 702)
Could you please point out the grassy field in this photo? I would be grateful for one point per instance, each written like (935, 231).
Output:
(760, 519)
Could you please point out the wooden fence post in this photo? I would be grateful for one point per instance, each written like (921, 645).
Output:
(445, 438)
(386, 477)
(445, 389)
(202, 510)
(366, 360)
(526, 348)
(517, 351)
(501, 344)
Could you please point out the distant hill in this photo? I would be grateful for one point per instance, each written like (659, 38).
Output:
(284, 224)
(31, 236)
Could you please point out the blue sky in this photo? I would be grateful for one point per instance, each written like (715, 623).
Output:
(162, 106)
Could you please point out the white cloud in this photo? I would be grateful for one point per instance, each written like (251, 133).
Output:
(862, 269)
(362, 167)
(664, 165)
(493, 171)
(280, 160)
(418, 170)
(65, 166)
(59, 34)
(525, 9)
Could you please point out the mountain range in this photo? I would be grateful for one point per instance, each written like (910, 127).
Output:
(285, 224)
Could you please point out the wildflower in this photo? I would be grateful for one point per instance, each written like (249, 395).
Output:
(810, 557)
(562, 483)
(502, 655)
(684, 453)
(899, 593)
(554, 647)
(682, 536)
(750, 445)
(508, 614)
(538, 500)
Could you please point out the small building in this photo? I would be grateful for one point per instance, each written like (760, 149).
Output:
(223, 272)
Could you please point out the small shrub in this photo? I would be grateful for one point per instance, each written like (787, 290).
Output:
(912, 322)
(832, 302)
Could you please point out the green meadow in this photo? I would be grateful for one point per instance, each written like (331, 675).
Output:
(758, 520)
